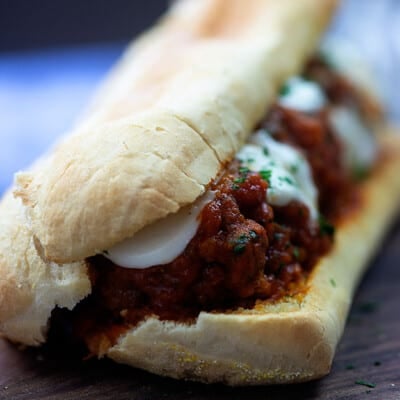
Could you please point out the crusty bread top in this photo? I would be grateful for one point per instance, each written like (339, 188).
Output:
(174, 111)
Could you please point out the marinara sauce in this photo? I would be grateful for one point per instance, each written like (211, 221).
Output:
(244, 251)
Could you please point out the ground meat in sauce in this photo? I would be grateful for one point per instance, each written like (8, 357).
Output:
(312, 134)
(244, 250)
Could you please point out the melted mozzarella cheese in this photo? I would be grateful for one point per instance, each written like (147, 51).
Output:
(288, 171)
(302, 95)
(360, 150)
(161, 242)
(285, 168)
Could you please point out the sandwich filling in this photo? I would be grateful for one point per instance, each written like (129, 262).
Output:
(258, 231)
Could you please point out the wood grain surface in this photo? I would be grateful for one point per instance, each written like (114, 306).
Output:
(369, 353)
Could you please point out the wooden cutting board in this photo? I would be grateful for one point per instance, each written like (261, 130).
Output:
(367, 364)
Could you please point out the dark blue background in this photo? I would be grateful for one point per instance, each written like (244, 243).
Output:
(26, 24)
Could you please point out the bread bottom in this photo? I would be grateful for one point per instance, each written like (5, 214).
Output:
(293, 340)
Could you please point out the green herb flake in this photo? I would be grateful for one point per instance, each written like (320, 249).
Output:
(240, 179)
(294, 168)
(250, 160)
(350, 366)
(244, 170)
(265, 151)
(240, 243)
(332, 282)
(325, 226)
(365, 383)
(296, 253)
(235, 187)
(286, 179)
(284, 90)
(360, 173)
(266, 175)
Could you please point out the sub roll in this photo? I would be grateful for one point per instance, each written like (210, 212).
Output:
(211, 214)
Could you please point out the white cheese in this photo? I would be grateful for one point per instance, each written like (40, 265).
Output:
(286, 169)
(289, 173)
(302, 95)
(360, 148)
(161, 242)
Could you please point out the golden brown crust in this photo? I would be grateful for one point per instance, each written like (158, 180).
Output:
(291, 341)
(207, 72)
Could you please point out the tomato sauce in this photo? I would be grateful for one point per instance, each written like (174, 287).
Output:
(245, 250)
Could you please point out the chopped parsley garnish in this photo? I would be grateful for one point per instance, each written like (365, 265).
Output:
(266, 175)
(294, 168)
(360, 173)
(265, 151)
(333, 282)
(243, 171)
(350, 366)
(285, 89)
(240, 243)
(325, 226)
(296, 252)
(240, 179)
(365, 383)
(286, 179)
